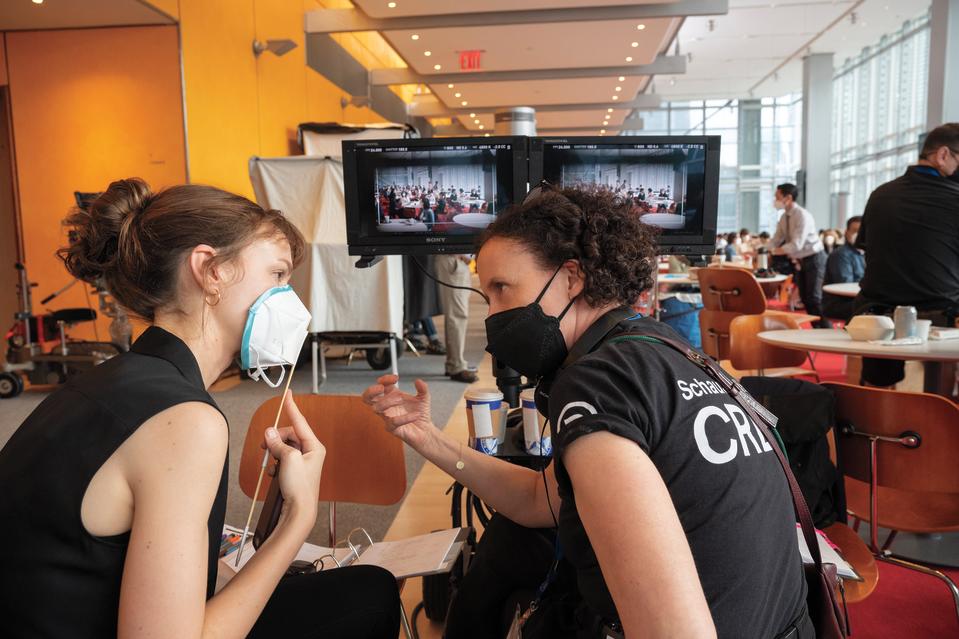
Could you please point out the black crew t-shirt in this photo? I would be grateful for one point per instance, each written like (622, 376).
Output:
(725, 482)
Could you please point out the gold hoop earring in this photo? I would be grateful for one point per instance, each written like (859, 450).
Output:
(206, 299)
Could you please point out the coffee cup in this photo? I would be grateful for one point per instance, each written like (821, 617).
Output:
(486, 419)
(922, 329)
(537, 442)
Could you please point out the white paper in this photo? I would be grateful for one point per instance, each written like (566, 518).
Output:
(829, 556)
(410, 557)
(482, 420)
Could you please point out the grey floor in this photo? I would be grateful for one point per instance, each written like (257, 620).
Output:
(239, 403)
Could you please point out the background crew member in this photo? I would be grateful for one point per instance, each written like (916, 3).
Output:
(797, 238)
(910, 235)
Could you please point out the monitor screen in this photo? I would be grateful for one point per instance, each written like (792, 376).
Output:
(428, 196)
(670, 182)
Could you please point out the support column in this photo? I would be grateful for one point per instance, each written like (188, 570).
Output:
(943, 92)
(816, 136)
(749, 141)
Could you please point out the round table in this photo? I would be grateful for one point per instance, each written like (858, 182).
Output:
(474, 220)
(843, 289)
(675, 279)
(664, 220)
(932, 353)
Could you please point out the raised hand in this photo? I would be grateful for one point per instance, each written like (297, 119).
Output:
(406, 416)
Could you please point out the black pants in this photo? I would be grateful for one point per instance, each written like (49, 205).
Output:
(510, 563)
(810, 280)
(360, 602)
(888, 372)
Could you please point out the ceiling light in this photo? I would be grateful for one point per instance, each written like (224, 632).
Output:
(629, 58)
(391, 5)
(640, 27)
(615, 97)
(634, 44)
(437, 67)
(619, 88)
(415, 36)
(464, 102)
(449, 86)
(486, 135)
(427, 53)
(609, 110)
(622, 78)
(603, 131)
(472, 115)
(41, 2)
(457, 95)
(672, 82)
(482, 127)
(476, 121)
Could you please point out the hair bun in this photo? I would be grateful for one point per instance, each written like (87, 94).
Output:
(103, 237)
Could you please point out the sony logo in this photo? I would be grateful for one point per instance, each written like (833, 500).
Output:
(435, 240)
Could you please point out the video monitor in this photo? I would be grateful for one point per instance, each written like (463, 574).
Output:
(408, 197)
(672, 182)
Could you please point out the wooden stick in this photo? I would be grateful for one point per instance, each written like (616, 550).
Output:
(259, 479)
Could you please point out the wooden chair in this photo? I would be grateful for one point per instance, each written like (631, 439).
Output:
(714, 332)
(898, 452)
(364, 464)
(731, 290)
(746, 352)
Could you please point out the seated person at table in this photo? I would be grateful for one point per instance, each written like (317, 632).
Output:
(671, 524)
(845, 264)
(910, 235)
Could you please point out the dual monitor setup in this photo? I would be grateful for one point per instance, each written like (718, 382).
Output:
(431, 196)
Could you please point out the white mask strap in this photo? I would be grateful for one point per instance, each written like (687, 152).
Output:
(260, 373)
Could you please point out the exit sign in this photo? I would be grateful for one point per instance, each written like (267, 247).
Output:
(470, 60)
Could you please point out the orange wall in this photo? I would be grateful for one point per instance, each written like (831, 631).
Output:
(89, 106)
(239, 105)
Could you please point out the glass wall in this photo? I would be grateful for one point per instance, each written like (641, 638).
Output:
(879, 112)
(760, 149)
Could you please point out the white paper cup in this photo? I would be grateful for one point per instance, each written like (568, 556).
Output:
(537, 442)
(922, 329)
(486, 418)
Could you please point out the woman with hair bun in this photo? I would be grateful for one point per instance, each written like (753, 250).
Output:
(114, 488)
(672, 516)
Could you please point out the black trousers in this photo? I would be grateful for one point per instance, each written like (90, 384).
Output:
(360, 602)
(810, 280)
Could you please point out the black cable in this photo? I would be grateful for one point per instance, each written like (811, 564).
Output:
(462, 288)
(549, 502)
(416, 612)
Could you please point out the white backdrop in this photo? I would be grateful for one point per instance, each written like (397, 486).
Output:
(309, 191)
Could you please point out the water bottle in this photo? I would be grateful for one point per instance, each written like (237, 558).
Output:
(905, 320)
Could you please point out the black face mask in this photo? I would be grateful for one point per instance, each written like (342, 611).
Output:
(526, 339)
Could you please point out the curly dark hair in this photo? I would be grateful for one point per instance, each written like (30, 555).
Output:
(615, 250)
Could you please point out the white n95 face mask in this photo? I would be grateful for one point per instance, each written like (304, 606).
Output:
(275, 330)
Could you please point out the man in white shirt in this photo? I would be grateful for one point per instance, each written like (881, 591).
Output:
(796, 237)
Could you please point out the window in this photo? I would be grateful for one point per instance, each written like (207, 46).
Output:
(879, 112)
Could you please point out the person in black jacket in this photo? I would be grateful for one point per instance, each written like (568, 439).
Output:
(910, 235)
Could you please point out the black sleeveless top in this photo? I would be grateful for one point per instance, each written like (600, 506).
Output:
(56, 579)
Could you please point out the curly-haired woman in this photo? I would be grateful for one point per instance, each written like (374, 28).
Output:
(673, 515)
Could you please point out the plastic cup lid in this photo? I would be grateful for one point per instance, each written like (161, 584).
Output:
(528, 394)
(484, 395)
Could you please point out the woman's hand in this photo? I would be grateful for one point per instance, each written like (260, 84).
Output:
(406, 416)
(301, 457)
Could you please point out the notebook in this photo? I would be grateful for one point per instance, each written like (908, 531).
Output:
(829, 555)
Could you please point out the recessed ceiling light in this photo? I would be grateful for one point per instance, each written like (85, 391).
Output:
(609, 110)
(427, 53)
(619, 88)
(615, 97)
(41, 2)
(415, 36)
(437, 67)
(391, 5)
(629, 58)
(634, 44)
(622, 78)
(464, 103)
(482, 126)
(476, 121)
(640, 27)
(472, 115)
(449, 86)
(603, 131)
(486, 135)
(457, 95)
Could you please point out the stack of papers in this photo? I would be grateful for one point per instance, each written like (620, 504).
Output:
(828, 554)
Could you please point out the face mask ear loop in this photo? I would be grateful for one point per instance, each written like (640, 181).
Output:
(568, 306)
(546, 288)
(271, 383)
